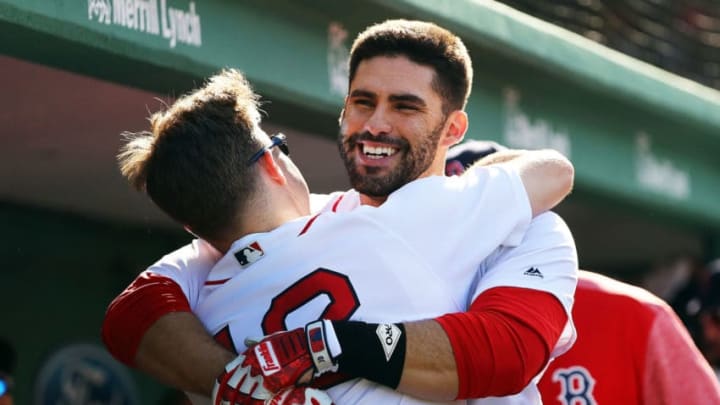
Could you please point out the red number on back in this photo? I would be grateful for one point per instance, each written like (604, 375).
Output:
(336, 286)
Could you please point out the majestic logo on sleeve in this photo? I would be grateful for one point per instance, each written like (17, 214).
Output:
(389, 335)
(576, 386)
(249, 254)
(533, 271)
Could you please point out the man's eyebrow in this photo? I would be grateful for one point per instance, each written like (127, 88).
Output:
(362, 93)
(395, 98)
(408, 98)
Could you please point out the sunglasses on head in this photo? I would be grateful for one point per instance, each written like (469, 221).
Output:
(278, 140)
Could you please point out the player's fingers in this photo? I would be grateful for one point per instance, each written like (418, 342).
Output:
(246, 400)
(300, 396)
(224, 389)
(306, 377)
(250, 341)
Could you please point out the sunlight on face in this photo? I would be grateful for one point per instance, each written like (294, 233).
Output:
(391, 125)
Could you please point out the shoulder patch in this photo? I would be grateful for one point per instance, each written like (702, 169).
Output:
(249, 254)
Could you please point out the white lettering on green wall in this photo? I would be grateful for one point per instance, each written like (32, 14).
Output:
(658, 174)
(157, 18)
(523, 132)
(337, 58)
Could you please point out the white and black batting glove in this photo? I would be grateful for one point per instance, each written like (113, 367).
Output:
(278, 361)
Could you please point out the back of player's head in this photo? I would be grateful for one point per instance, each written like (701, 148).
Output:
(425, 44)
(193, 163)
(463, 155)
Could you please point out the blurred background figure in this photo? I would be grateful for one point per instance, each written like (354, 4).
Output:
(686, 296)
(8, 358)
(710, 318)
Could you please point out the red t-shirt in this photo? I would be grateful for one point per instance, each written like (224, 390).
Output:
(631, 349)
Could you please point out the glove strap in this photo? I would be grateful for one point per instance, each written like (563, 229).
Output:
(319, 333)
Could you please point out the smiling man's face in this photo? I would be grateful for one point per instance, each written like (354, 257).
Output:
(391, 125)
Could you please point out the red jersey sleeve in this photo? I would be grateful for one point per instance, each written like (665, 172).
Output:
(503, 340)
(130, 315)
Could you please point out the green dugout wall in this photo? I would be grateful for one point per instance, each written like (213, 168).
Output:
(634, 132)
(641, 139)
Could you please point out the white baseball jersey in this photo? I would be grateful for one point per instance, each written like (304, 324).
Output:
(409, 259)
(190, 265)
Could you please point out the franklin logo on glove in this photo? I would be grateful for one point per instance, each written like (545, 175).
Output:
(267, 358)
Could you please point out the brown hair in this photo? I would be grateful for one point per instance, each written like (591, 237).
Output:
(194, 162)
(423, 43)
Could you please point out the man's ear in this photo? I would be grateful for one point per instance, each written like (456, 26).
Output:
(267, 162)
(457, 126)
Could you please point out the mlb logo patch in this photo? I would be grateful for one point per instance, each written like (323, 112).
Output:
(249, 254)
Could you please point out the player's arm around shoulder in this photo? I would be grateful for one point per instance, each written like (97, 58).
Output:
(526, 292)
(546, 174)
(150, 325)
(546, 260)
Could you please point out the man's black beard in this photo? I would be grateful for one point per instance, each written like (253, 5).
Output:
(413, 163)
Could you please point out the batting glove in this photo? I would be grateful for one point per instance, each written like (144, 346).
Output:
(300, 396)
(278, 361)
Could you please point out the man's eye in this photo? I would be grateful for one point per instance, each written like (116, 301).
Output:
(362, 102)
(406, 107)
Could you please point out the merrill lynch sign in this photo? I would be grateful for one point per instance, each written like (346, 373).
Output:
(150, 16)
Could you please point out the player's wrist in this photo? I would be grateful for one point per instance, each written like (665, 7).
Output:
(323, 346)
(372, 351)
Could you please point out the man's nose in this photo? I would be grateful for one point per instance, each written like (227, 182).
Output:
(378, 123)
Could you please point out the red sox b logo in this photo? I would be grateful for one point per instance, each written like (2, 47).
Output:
(576, 386)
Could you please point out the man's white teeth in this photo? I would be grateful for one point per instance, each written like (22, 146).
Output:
(378, 151)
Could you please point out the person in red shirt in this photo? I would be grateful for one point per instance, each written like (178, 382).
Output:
(631, 349)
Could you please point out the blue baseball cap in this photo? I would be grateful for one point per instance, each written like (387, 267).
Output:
(463, 155)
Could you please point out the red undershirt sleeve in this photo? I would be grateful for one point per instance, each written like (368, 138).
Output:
(503, 340)
(130, 315)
